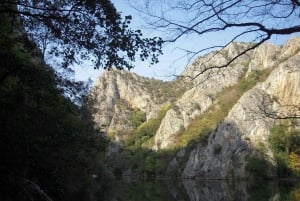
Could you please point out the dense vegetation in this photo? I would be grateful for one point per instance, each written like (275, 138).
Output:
(143, 135)
(136, 153)
(46, 148)
(44, 143)
(285, 142)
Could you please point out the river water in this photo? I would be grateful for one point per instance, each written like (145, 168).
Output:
(191, 190)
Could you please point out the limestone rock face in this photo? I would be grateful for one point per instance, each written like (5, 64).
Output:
(246, 128)
(265, 56)
(113, 97)
(202, 92)
(224, 155)
(116, 94)
(290, 48)
(284, 83)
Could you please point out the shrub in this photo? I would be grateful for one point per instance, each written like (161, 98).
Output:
(286, 147)
(278, 139)
(143, 135)
(294, 163)
(282, 163)
(249, 82)
(257, 165)
(137, 117)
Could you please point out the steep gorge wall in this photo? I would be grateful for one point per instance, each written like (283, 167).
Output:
(245, 130)
(113, 97)
(203, 91)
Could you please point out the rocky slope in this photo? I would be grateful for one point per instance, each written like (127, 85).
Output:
(116, 94)
(203, 91)
(246, 128)
(243, 131)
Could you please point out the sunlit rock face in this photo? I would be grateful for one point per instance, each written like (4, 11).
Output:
(203, 91)
(114, 95)
(246, 128)
(224, 155)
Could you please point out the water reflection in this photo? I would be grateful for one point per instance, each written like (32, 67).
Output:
(191, 190)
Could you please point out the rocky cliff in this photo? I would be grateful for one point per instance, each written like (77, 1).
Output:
(246, 128)
(237, 106)
(202, 92)
(116, 94)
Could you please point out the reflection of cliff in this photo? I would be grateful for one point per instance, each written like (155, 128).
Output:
(215, 190)
(193, 190)
(147, 191)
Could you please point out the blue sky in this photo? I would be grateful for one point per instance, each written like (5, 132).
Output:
(173, 61)
(170, 63)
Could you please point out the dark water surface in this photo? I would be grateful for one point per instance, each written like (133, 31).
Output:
(191, 190)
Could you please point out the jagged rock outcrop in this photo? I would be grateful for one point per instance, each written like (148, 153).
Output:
(265, 56)
(112, 98)
(246, 128)
(203, 92)
(116, 94)
(224, 156)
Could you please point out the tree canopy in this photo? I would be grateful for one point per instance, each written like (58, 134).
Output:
(46, 149)
(257, 21)
(78, 30)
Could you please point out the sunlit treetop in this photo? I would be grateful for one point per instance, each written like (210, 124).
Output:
(84, 30)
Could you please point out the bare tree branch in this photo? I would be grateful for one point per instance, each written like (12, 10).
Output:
(259, 19)
(281, 112)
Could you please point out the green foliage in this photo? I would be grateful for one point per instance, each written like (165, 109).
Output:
(137, 117)
(258, 166)
(111, 135)
(285, 144)
(42, 136)
(284, 140)
(85, 30)
(294, 163)
(150, 162)
(253, 78)
(282, 159)
(143, 162)
(202, 125)
(249, 81)
(294, 140)
(143, 135)
(278, 139)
